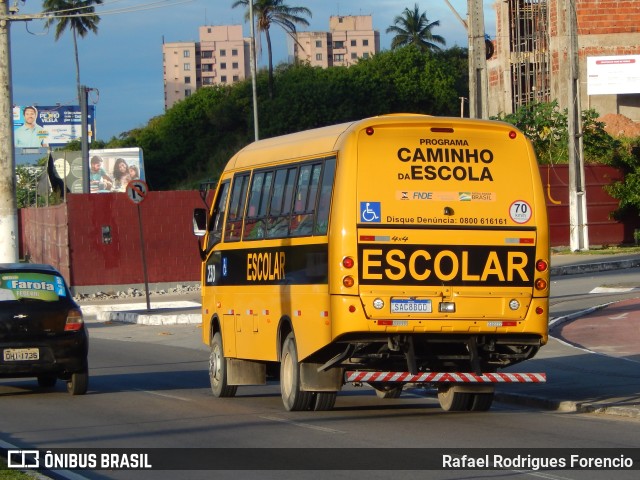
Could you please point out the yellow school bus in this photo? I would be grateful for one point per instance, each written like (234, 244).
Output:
(394, 249)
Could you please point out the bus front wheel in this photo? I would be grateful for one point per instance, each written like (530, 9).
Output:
(218, 370)
(292, 396)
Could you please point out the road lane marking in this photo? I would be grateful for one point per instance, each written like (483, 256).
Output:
(165, 395)
(299, 424)
(613, 289)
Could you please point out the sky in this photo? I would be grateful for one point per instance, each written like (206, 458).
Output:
(122, 64)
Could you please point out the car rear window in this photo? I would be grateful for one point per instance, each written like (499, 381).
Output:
(37, 286)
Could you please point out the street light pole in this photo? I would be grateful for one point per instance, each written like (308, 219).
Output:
(252, 55)
(8, 206)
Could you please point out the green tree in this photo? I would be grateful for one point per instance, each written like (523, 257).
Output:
(77, 15)
(275, 12)
(414, 28)
(27, 184)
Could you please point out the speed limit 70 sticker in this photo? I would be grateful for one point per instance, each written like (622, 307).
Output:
(520, 211)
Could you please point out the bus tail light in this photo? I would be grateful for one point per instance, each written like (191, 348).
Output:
(348, 281)
(347, 262)
(541, 284)
(542, 265)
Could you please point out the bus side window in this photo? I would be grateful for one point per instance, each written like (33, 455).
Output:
(217, 216)
(324, 201)
(254, 225)
(236, 208)
(278, 218)
(303, 215)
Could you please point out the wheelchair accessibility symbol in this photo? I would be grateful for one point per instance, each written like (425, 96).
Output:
(370, 212)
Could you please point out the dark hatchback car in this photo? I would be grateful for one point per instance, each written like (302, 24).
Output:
(42, 332)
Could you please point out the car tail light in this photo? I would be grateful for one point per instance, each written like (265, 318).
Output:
(74, 321)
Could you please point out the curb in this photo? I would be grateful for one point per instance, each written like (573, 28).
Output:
(566, 405)
(594, 267)
(161, 313)
(167, 318)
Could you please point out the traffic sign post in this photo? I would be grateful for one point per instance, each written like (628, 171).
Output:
(137, 191)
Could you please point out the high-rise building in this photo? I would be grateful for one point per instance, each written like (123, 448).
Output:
(221, 57)
(349, 38)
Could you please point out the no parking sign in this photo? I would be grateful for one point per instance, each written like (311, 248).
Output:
(137, 191)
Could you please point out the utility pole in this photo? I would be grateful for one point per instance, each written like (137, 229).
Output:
(478, 83)
(578, 230)
(8, 207)
(83, 98)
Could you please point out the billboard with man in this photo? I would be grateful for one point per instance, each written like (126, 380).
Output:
(50, 126)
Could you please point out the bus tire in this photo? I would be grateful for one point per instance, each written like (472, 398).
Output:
(453, 401)
(218, 370)
(324, 401)
(481, 402)
(293, 397)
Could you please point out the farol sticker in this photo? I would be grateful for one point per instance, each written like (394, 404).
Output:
(520, 211)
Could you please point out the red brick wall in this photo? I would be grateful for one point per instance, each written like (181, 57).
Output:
(602, 229)
(43, 237)
(170, 247)
(607, 16)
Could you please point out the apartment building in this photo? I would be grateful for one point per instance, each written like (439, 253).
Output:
(220, 57)
(349, 38)
(531, 63)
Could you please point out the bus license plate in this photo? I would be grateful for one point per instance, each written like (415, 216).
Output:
(20, 354)
(406, 305)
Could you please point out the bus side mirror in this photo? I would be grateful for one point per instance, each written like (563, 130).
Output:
(199, 222)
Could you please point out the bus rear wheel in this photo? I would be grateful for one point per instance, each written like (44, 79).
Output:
(481, 402)
(323, 401)
(452, 400)
(218, 370)
(292, 396)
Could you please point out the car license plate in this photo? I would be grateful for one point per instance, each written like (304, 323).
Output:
(409, 305)
(19, 354)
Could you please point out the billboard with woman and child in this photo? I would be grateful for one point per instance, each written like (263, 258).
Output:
(109, 169)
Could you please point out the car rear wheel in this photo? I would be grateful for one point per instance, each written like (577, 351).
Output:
(47, 380)
(78, 383)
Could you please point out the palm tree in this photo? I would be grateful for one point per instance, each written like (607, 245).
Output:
(78, 15)
(413, 28)
(275, 12)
